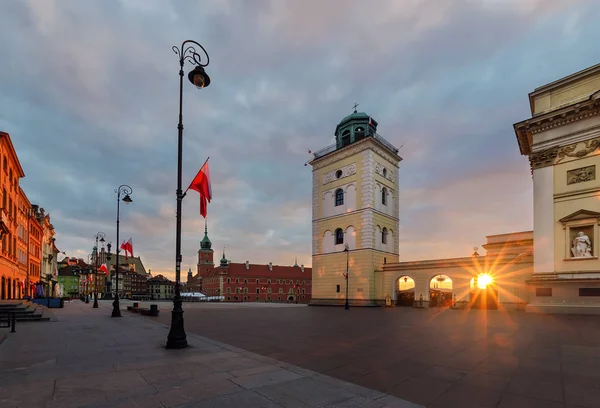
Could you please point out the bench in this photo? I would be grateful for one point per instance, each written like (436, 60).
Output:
(153, 311)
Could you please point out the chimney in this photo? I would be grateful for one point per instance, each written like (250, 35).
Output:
(302, 268)
(270, 266)
(247, 265)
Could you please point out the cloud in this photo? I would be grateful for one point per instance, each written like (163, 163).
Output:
(90, 98)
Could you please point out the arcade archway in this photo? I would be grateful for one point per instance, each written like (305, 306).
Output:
(483, 291)
(405, 291)
(440, 291)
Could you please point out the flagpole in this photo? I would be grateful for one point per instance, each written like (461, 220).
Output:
(186, 190)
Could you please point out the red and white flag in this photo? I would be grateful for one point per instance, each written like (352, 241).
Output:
(127, 246)
(103, 268)
(201, 184)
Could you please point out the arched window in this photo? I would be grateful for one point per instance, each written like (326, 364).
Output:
(339, 236)
(339, 197)
(346, 138)
(384, 235)
(384, 172)
(359, 133)
(384, 196)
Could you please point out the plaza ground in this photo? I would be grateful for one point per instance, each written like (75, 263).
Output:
(431, 357)
(85, 358)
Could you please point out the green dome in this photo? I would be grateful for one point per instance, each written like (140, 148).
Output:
(355, 115)
(205, 243)
(362, 119)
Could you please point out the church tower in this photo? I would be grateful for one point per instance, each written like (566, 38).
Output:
(355, 213)
(205, 255)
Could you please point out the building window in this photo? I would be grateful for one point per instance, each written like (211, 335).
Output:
(337, 288)
(228, 290)
(339, 236)
(345, 138)
(280, 290)
(268, 281)
(541, 292)
(589, 291)
(278, 297)
(384, 236)
(228, 280)
(384, 195)
(258, 290)
(339, 197)
(258, 281)
(245, 280)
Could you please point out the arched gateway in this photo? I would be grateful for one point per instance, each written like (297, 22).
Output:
(405, 291)
(440, 291)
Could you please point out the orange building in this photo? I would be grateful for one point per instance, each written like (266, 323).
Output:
(11, 278)
(23, 210)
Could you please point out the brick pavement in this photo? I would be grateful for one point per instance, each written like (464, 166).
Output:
(437, 359)
(84, 358)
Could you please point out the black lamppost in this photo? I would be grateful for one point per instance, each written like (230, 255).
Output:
(107, 281)
(177, 337)
(347, 251)
(125, 189)
(99, 236)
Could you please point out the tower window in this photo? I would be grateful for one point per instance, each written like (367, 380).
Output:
(346, 138)
(338, 174)
(339, 197)
(384, 235)
(384, 196)
(359, 133)
(339, 236)
(384, 172)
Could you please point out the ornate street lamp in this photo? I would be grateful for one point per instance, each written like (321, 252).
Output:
(347, 251)
(99, 237)
(123, 189)
(177, 338)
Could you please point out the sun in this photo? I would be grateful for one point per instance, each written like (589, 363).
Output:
(483, 280)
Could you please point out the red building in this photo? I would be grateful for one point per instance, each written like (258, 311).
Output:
(248, 282)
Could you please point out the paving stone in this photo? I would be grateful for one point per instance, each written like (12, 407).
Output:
(459, 396)
(532, 387)
(305, 392)
(265, 378)
(518, 401)
(239, 399)
(421, 390)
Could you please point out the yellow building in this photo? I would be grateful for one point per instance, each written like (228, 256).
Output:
(562, 140)
(355, 213)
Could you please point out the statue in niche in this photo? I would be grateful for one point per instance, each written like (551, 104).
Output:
(582, 246)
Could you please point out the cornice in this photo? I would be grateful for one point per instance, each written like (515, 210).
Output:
(556, 154)
(354, 148)
(524, 130)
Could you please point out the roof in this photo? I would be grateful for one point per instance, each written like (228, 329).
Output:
(11, 149)
(135, 260)
(259, 270)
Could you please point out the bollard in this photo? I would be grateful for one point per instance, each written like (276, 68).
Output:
(14, 319)
(153, 310)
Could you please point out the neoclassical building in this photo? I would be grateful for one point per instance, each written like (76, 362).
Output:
(562, 141)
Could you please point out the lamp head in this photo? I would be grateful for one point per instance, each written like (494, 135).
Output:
(199, 77)
(127, 199)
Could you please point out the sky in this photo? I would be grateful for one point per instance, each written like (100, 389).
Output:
(89, 94)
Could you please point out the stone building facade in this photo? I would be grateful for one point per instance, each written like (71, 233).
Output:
(562, 142)
(355, 214)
